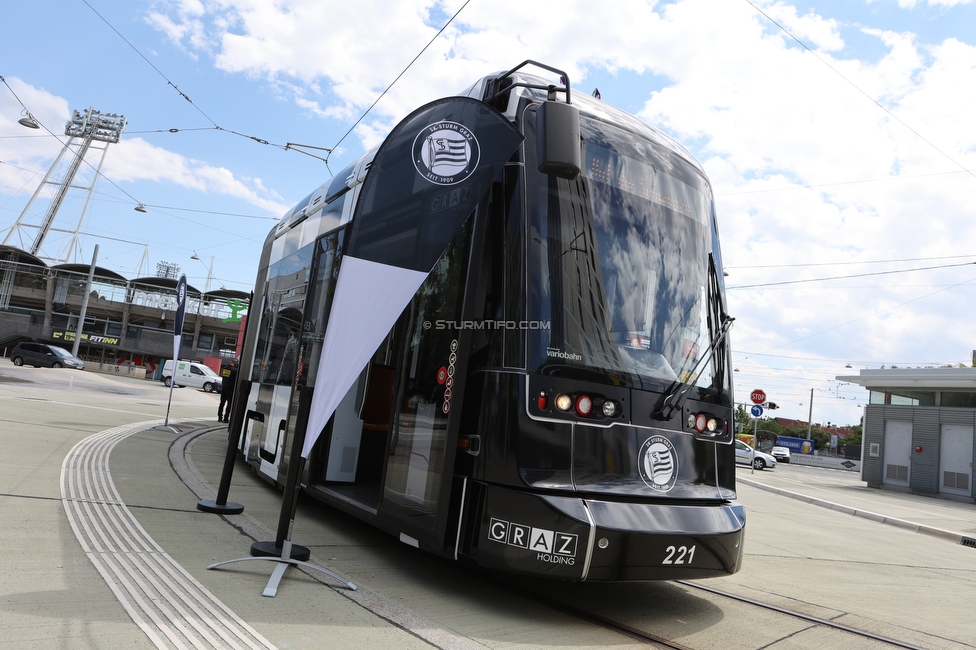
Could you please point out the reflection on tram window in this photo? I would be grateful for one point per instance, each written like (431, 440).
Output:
(276, 356)
(413, 473)
(618, 264)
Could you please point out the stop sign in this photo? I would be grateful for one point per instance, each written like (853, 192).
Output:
(758, 396)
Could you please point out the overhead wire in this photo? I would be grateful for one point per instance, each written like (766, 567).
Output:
(858, 89)
(287, 146)
(64, 144)
(880, 311)
(905, 125)
(962, 167)
(216, 126)
(847, 277)
(858, 182)
(414, 60)
(109, 197)
(907, 259)
(748, 354)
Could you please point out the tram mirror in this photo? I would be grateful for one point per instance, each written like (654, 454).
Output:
(558, 139)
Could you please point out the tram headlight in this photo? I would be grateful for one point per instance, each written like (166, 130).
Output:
(611, 409)
(701, 421)
(563, 402)
(584, 405)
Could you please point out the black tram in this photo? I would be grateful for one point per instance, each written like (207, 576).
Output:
(556, 398)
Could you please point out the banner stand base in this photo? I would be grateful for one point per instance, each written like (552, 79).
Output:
(226, 508)
(284, 560)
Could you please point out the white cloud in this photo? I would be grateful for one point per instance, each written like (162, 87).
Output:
(29, 154)
(811, 28)
(761, 112)
(910, 4)
(48, 109)
(134, 159)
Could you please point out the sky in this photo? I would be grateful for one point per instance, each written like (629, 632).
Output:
(838, 137)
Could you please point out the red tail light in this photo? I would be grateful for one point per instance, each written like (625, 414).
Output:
(584, 405)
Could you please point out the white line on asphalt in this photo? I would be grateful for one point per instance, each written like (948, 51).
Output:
(162, 598)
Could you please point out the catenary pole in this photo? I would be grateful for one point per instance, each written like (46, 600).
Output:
(84, 304)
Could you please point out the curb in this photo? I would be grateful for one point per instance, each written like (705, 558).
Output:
(948, 535)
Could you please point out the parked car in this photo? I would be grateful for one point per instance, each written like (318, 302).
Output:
(190, 373)
(42, 355)
(746, 455)
(781, 454)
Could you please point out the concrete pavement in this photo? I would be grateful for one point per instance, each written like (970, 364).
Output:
(56, 527)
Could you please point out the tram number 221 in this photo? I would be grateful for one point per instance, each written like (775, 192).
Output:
(679, 555)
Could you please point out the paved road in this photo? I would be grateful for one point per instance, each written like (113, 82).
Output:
(956, 518)
(52, 595)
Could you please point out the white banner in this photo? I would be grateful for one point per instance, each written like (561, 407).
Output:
(369, 297)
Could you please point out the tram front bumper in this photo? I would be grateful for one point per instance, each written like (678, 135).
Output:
(589, 539)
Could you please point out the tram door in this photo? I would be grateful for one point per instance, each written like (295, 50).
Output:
(277, 359)
(956, 459)
(426, 374)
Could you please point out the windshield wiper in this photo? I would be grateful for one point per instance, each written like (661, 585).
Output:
(677, 393)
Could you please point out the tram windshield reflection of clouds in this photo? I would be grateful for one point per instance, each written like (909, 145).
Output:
(651, 237)
(591, 445)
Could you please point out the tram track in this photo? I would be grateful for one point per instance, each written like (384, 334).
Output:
(644, 636)
(574, 604)
(806, 617)
(658, 641)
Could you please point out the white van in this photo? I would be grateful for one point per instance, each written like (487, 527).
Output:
(190, 373)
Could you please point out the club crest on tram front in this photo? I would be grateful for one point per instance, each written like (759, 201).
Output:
(658, 463)
(446, 152)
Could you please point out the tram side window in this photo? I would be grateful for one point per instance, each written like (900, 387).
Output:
(320, 294)
(276, 356)
(487, 341)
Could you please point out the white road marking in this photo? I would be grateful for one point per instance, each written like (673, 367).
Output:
(166, 602)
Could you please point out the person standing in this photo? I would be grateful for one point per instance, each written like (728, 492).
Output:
(229, 383)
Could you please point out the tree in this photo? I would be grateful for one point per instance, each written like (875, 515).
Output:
(741, 418)
(821, 438)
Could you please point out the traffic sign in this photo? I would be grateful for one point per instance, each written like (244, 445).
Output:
(758, 396)
(757, 411)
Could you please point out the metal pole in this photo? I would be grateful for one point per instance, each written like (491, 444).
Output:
(235, 429)
(810, 416)
(84, 304)
(755, 443)
(220, 505)
(172, 380)
(289, 498)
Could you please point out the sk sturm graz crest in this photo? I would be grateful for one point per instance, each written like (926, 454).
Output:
(446, 153)
(658, 463)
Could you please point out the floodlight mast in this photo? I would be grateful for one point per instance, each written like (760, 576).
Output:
(90, 126)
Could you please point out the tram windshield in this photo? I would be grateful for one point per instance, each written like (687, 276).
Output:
(619, 264)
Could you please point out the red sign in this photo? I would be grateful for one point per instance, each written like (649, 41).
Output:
(758, 396)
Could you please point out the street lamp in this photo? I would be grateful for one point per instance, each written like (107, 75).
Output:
(28, 121)
(196, 257)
